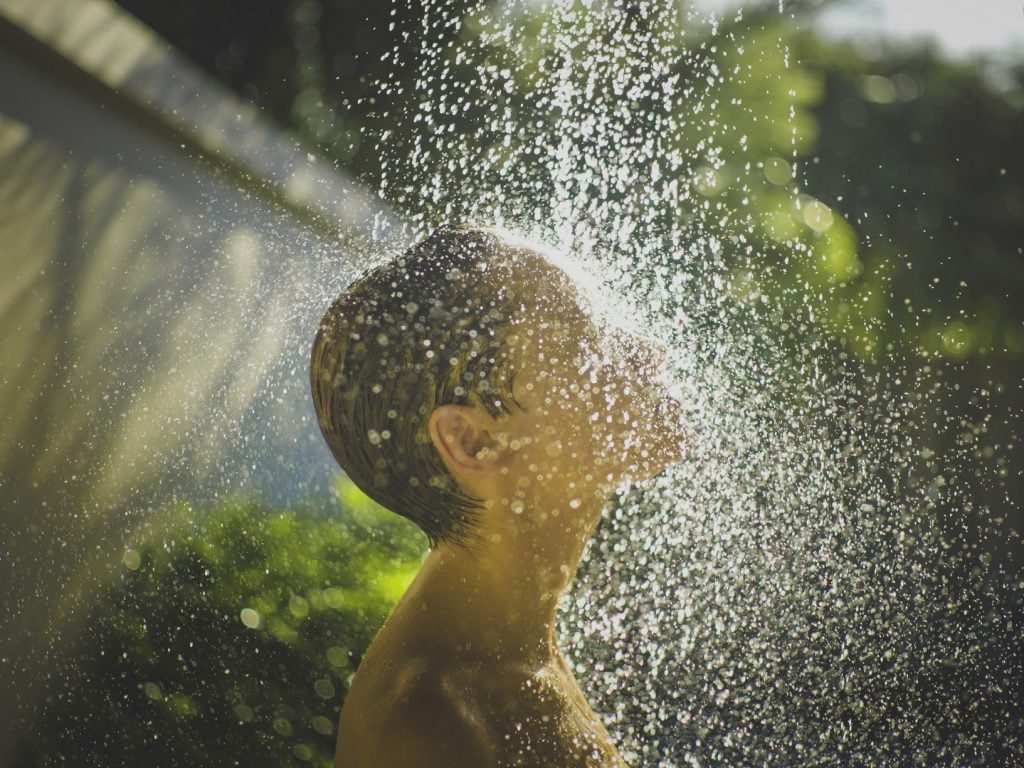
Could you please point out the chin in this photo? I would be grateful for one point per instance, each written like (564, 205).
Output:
(666, 448)
(647, 469)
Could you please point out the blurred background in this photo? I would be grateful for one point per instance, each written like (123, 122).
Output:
(186, 578)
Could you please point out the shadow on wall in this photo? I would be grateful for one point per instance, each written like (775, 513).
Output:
(157, 318)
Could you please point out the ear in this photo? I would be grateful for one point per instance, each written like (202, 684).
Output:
(464, 436)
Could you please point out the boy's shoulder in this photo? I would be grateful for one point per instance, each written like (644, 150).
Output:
(436, 719)
(415, 713)
(427, 712)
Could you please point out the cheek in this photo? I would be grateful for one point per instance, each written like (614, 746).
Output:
(604, 412)
(627, 414)
(591, 410)
(609, 393)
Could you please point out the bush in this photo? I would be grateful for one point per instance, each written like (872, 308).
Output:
(230, 637)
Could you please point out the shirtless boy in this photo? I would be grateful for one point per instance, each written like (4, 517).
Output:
(472, 386)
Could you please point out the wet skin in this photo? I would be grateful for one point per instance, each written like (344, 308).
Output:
(466, 672)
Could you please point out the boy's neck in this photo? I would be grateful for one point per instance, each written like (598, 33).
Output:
(497, 601)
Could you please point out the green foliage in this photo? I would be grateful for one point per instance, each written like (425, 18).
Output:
(229, 637)
(913, 152)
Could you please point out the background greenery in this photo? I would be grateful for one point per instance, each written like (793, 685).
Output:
(911, 188)
(230, 637)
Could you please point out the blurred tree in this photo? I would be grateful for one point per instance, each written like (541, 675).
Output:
(914, 151)
(230, 638)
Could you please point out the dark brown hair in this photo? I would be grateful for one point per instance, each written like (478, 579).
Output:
(427, 328)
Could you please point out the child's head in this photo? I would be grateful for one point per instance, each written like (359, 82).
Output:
(471, 375)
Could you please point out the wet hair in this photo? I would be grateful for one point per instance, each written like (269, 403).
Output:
(428, 328)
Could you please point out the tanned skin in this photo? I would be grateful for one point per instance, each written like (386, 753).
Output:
(466, 672)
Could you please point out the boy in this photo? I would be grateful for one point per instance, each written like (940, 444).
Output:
(471, 386)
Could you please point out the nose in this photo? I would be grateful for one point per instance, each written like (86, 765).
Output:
(659, 353)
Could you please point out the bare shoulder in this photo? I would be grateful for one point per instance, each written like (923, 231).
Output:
(537, 716)
(471, 714)
(424, 718)
(438, 721)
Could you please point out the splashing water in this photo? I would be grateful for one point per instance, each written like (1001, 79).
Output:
(792, 594)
